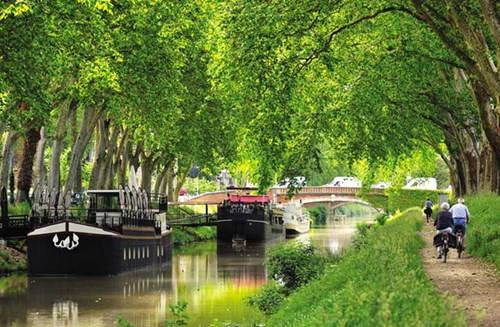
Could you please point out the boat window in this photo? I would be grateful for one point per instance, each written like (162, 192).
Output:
(129, 253)
(147, 251)
(124, 254)
(143, 252)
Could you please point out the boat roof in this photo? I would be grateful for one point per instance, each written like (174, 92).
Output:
(249, 198)
(104, 191)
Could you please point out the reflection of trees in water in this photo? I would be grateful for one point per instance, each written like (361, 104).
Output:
(354, 211)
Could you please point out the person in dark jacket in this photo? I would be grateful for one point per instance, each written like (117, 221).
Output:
(443, 223)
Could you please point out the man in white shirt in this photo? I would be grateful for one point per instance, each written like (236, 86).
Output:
(460, 214)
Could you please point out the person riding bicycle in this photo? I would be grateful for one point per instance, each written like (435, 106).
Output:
(460, 214)
(443, 223)
(428, 209)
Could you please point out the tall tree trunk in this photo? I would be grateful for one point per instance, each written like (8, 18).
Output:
(25, 172)
(124, 164)
(58, 145)
(7, 155)
(39, 169)
(147, 166)
(160, 178)
(73, 118)
(100, 153)
(107, 174)
(89, 121)
(181, 180)
(172, 181)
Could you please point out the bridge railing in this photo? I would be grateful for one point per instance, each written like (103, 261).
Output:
(321, 190)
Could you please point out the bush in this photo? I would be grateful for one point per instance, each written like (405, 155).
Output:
(319, 215)
(483, 234)
(294, 264)
(380, 284)
(22, 208)
(185, 235)
(11, 260)
(269, 297)
(359, 238)
(381, 218)
(404, 199)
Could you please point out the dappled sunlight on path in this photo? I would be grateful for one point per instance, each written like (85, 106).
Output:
(472, 282)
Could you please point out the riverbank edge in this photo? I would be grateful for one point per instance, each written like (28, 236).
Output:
(11, 261)
(185, 235)
(378, 283)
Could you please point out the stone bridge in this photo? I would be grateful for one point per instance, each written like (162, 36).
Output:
(332, 196)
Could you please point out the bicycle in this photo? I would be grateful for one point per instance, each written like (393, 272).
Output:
(459, 232)
(445, 248)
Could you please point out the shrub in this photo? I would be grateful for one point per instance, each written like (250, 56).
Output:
(269, 297)
(22, 208)
(404, 199)
(380, 284)
(185, 235)
(319, 215)
(483, 234)
(381, 218)
(359, 237)
(294, 264)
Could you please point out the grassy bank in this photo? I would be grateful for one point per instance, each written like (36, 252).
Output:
(380, 283)
(483, 239)
(11, 260)
(185, 235)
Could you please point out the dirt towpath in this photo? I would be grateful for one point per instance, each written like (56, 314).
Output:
(474, 284)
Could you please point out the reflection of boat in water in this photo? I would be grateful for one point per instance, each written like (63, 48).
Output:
(243, 266)
(296, 219)
(120, 231)
(90, 300)
(248, 218)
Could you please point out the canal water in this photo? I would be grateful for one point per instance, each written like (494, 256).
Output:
(214, 279)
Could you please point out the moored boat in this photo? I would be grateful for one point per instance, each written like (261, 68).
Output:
(120, 230)
(243, 218)
(296, 219)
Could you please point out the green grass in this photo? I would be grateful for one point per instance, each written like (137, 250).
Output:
(483, 234)
(8, 264)
(185, 235)
(381, 283)
(22, 208)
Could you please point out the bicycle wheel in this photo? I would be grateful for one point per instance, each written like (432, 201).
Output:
(445, 254)
(460, 246)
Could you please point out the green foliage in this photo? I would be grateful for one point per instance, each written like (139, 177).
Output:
(269, 298)
(23, 208)
(179, 316)
(378, 201)
(294, 264)
(381, 284)
(319, 215)
(122, 322)
(201, 185)
(10, 263)
(403, 199)
(185, 235)
(381, 218)
(483, 233)
(359, 238)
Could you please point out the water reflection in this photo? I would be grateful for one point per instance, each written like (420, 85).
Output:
(214, 279)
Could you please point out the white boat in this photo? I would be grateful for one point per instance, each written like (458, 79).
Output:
(296, 219)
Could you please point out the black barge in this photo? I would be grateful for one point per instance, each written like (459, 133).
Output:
(242, 218)
(121, 230)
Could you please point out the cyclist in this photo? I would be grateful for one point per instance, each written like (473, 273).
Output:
(443, 223)
(428, 209)
(460, 214)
